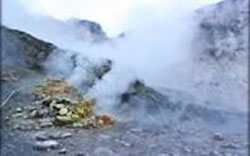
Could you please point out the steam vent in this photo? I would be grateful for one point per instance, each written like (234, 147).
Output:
(91, 78)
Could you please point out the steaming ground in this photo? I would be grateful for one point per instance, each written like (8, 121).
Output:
(147, 54)
(171, 93)
(158, 51)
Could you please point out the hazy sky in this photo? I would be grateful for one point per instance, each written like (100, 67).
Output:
(114, 15)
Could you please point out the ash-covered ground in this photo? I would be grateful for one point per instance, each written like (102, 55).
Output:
(199, 112)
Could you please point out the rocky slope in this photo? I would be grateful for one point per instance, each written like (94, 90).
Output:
(224, 30)
(220, 64)
(20, 49)
(86, 30)
(147, 122)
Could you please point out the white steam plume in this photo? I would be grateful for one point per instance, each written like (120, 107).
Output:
(154, 50)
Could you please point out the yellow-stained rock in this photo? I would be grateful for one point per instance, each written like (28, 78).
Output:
(63, 111)
(68, 106)
(59, 106)
(64, 119)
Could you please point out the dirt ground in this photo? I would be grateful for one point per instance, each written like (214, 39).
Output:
(21, 136)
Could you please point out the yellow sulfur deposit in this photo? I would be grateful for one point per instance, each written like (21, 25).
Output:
(68, 106)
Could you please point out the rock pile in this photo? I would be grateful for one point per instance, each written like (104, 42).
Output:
(60, 104)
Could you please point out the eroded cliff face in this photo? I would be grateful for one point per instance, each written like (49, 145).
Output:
(224, 29)
(220, 58)
(88, 30)
(20, 49)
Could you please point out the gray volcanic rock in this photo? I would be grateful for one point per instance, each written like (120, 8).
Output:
(197, 130)
(20, 49)
(224, 29)
(220, 58)
(77, 69)
(140, 102)
(88, 30)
